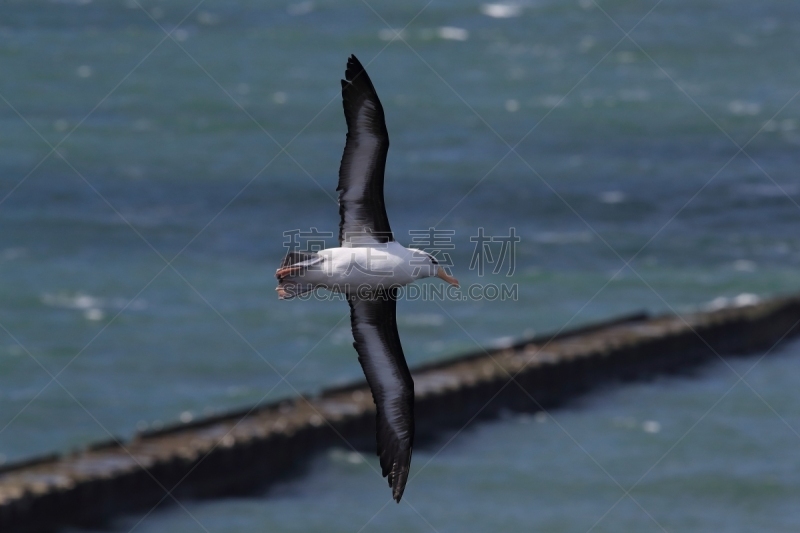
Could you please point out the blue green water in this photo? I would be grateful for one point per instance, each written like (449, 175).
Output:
(172, 152)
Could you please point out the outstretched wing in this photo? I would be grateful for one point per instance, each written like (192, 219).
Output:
(361, 207)
(381, 356)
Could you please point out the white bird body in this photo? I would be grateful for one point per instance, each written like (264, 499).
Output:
(368, 267)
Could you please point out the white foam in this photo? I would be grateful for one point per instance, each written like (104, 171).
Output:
(388, 34)
(180, 34)
(502, 342)
(93, 308)
(587, 43)
(207, 18)
(452, 33)
(300, 8)
(94, 314)
(745, 299)
(77, 301)
(340, 455)
(626, 56)
(501, 11)
(552, 101)
(612, 197)
(744, 265)
(651, 426)
(9, 254)
(741, 107)
(718, 303)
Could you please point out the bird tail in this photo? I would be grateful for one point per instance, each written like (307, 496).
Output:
(290, 274)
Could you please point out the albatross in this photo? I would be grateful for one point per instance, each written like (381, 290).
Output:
(369, 267)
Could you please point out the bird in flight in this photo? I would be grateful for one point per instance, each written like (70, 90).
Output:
(368, 267)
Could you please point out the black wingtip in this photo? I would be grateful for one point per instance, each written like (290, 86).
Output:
(354, 68)
(397, 481)
(397, 492)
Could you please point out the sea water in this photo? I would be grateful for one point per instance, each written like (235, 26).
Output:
(148, 182)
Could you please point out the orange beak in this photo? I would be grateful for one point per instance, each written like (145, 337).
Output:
(440, 273)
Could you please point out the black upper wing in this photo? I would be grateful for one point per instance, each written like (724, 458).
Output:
(361, 207)
(381, 356)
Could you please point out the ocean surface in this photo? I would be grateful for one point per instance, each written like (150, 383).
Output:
(148, 182)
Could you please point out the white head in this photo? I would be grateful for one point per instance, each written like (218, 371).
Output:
(427, 266)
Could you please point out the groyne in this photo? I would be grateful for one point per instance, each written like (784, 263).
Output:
(247, 450)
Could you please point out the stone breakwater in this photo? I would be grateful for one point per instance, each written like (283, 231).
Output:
(247, 450)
